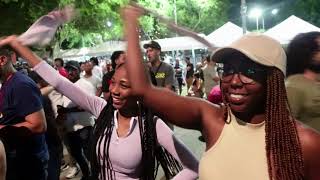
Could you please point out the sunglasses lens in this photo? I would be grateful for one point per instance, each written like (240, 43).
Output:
(246, 74)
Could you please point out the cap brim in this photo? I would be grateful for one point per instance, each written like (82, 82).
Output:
(71, 67)
(146, 46)
(218, 55)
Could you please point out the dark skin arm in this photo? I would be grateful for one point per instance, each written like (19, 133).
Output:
(3, 164)
(182, 111)
(187, 112)
(310, 142)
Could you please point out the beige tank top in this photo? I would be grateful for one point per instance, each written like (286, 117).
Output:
(238, 154)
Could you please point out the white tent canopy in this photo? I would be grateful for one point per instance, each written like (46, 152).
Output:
(167, 44)
(289, 28)
(108, 47)
(102, 49)
(69, 53)
(225, 35)
(178, 43)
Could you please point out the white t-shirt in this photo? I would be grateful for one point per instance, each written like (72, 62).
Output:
(97, 71)
(79, 120)
(56, 99)
(94, 80)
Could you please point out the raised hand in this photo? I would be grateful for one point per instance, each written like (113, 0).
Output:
(8, 41)
(131, 13)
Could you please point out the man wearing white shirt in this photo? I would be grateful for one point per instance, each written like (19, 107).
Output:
(93, 79)
(97, 70)
(78, 123)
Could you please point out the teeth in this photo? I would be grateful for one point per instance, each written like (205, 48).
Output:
(116, 99)
(237, 96)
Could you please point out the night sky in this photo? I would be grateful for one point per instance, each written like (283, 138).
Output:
(267, 5)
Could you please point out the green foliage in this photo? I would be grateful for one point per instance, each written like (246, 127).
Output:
(202, 16)
(8, 1)
(308, 10)
(17, 15)
(91, 26)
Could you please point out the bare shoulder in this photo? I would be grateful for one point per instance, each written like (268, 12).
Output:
(309, 137)
(3, 165)
(310, 143)
(2, 151)
(211, 113)
(212, 122)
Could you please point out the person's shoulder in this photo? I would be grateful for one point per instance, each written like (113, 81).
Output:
(164, 64)
(84, 84)
(213, 121)
(23, 81)
(295, 80)
(309, 139)
(20, 77)
(216, 109)
(159, 121)
(95, 77)
(307, 133)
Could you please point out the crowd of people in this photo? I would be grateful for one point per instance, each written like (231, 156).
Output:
(256, 105)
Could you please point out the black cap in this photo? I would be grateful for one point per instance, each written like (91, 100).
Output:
(152, 44)
(73, 65)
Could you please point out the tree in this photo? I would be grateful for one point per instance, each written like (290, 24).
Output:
(308, 10)
(202, 16)
(99, 20)
(17, 15)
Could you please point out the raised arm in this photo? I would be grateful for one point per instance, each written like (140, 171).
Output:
(86, 101)
(90, 103)
(179, 151)
(182, 111)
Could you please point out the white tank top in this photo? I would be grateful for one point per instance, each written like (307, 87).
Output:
(238, 154)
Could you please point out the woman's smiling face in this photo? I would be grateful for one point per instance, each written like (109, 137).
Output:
(120, 89)
(243, 83)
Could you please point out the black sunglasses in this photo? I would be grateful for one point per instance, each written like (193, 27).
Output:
(248, 74)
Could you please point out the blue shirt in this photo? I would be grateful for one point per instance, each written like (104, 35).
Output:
(20, 97)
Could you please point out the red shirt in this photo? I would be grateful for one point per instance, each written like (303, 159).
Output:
(63, 72)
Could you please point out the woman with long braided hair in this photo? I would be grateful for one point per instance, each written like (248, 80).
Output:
(129, 142)
(252, 135)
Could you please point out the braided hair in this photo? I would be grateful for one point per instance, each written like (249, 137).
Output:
(152, 153)
(284, 154)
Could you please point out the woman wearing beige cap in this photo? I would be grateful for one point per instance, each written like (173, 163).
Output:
(253, 135)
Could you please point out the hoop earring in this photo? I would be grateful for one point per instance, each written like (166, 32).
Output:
(227, 117)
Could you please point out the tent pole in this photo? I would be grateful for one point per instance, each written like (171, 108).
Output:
(193, 57)
(243, 12)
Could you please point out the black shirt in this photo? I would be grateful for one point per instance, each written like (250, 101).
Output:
(190, 71)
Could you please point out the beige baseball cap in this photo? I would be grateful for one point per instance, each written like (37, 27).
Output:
(259, 48)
